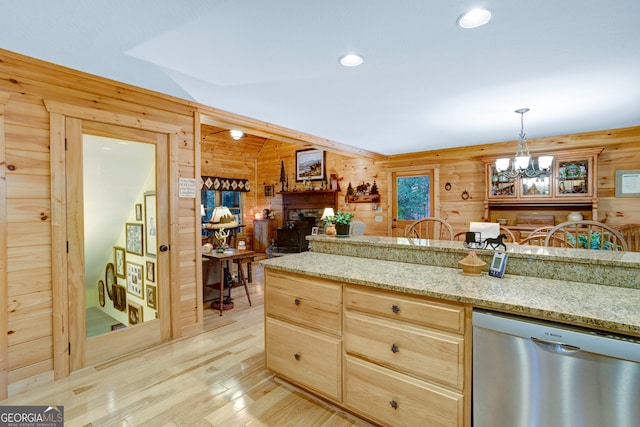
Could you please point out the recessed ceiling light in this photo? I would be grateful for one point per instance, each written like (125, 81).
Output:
(351, 60)
(475, 18)
(236, 134)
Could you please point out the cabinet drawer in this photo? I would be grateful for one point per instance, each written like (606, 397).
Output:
(449, 317)
(311, 359)
(416, 350)
(374, 391)
(305, 300)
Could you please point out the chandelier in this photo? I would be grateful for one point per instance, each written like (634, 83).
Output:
(523, 165)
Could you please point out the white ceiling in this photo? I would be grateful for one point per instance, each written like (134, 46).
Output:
(425, 83)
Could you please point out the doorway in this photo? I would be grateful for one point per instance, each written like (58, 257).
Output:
(414, 192)
(117, 270)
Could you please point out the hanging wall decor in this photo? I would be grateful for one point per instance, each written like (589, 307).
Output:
(225, 184)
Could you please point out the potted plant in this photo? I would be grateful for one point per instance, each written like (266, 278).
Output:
(342, 222)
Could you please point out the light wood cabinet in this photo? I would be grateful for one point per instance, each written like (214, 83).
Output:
(263, 231)
(406, 361)
(303, 331)
(390, 357)
(570, 182)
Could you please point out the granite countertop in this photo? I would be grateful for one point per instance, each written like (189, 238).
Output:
(584, 304)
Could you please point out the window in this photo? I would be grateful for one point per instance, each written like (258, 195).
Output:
(231, 199)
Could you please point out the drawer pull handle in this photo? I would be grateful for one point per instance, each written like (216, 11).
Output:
(297, 356)
(296, 301)
(394, 348)
(394, 404)
(395, 309)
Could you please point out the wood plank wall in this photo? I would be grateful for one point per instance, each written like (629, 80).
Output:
(27, 255)
(463, 168)
(349, 168)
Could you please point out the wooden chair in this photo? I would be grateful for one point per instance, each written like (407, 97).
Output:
(537, 236)
(587, 234)
(429, 228)
(461, 235)
(631, 234)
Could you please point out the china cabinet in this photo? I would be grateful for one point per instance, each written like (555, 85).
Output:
(570, 182)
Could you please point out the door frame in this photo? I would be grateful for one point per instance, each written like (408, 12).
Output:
(61, 113)
(392, 195)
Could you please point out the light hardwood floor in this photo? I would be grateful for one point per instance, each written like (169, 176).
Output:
(216, 378)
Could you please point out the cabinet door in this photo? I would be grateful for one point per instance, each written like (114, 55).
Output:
(538, 187)
(499, 187)
(311, 359)
(574, 177)
(394, 399)
(418, 351)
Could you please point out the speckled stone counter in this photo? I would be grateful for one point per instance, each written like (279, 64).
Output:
(614, 308)
(600, 267)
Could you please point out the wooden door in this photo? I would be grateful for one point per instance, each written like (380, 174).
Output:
(144, 271)
(413, 197)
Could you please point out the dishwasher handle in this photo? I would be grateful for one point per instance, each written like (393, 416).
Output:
(555, 347)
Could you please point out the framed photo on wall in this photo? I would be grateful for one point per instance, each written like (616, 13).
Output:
(152, 297)
(134, 238)
(150, 222)
(120, 261)
(151, 271)
(101, 298)
(310, 164)
(135, 282)
(139, 212)
(135, 313)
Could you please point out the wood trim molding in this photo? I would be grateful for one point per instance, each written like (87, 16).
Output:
(220, 118)
(4, 314)
(102, 116)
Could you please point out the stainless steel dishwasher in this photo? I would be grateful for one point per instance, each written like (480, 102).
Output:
(534, 373)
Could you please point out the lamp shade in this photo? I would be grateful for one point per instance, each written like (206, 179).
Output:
(327, 213)
(202, 212)
(222, 218)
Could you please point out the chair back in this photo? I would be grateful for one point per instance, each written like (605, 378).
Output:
(510, 237)
(429, 228)
(357, 228)
(537, 236)
(461, 235)
(631, 234)
(587, 234)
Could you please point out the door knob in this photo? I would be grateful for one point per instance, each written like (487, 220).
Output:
(164, 248)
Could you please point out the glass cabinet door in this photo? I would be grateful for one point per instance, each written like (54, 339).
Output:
(573, 177)
(533, 187)
(501, 186)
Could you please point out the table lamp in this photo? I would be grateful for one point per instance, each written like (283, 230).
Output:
(327, 215)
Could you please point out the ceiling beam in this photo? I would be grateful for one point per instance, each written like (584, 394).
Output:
(221, 118)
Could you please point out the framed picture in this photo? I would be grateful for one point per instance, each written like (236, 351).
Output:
(101, 298)
(120, 260)
(150, 222)
(310, 164)
(151, 271)
(628, 183)
(139, 212)
(134, 238)
(135, 283)
(119, 297)
(314, 231)
(152, 297)
(117, 326)
(135, 313)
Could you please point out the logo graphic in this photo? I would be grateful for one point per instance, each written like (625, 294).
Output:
(31, 416)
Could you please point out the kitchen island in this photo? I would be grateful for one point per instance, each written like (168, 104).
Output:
(388, 309)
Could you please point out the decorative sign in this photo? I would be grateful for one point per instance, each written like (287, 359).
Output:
(628, 183)
(187, 188)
